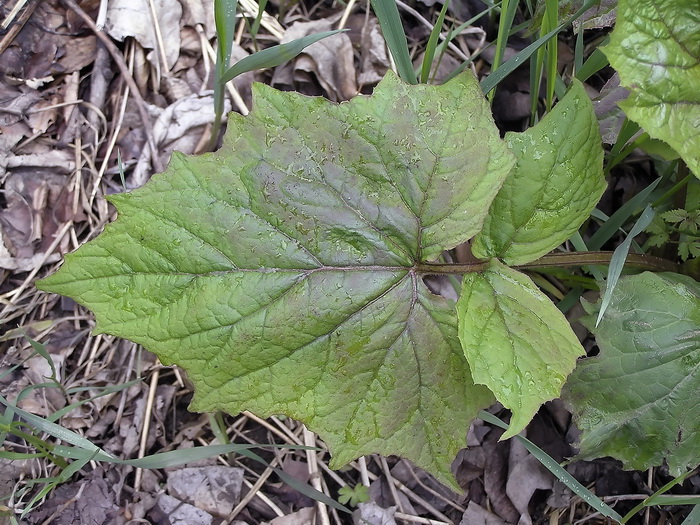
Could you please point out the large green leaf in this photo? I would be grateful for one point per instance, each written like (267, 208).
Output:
(638, 400)
(556, 183)
(516, 341)
(655, 48)
(280, 271)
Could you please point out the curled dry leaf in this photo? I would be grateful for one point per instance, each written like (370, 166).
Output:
(330, 60)
(179, 127)
(134, 18)
(44, 48)
(38, 206)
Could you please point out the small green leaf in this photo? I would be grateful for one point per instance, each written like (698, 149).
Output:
(556, 183)
(354, 496)
(638, 400)
(281, 271)
(516, 341)
(655, 48)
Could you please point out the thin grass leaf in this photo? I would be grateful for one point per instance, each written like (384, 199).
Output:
(694, 517)
(308, 490)
(225, 22)
(594, 63)
(551, 50)
(51, 483)
(627, 150)
(56, 431)
(580, 245)
(105, 391)
(570, 300)
(441, 50)
(654, 498)
(617, 262)
(578, 51)
(508, 9)
(672, 500)
(432, 44)
(120, 167)
(275, 55)
(497, 75)
(621, 216)
(41, 350)
(392, 28)
(628, 129)
(556, 469)
(262, 4)
(175, 458)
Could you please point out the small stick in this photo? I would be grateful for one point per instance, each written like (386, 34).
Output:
(146, 425)
(312, 463)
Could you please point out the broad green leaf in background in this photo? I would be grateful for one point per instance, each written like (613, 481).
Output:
(637, 401)
(655, 47)
(516, 341)
(280, 270)
(556, 183)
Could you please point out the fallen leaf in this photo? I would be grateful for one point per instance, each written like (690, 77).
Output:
(178, 127)
(175, 512)
(477, 515)
(215, 489)
(303, 516)
(134, 18)
(331, 60)
(372, 514)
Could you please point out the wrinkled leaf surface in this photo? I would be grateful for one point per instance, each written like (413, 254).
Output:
(516, 341)
(637, 401)
(279, 271)
(655, 48)
(557, 181)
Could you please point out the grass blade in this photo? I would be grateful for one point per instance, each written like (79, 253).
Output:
(621, 216)
(656, 497)
(392, 28)
(508, 8)
(57, 431)
(594, 63)
(551, 49)
(497, 75)
(617, 262)
(556, 469)
(275, 55)
(693, 518)
(431, 46)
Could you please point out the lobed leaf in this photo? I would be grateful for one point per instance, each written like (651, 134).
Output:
(281, 271)
(637, 401)
(516, 341)
(557, 181)
(655, 47)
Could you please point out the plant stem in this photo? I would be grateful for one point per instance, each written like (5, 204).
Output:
(560, 260)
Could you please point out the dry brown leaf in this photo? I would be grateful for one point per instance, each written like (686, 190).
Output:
(44, 48)
(199, 12)
(179, 127)
(15, 101)
(87, 501)
(134, 18)
(214, 489)
(477, 515)
(172, 510)
(610, 116)
(38, 205)
(373, 514)
(330, 60)
(526, 475)
(304, 516)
